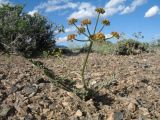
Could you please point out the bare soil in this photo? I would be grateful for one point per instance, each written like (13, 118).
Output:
(130, 88)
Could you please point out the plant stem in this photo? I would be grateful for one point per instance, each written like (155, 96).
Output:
(96, 24)
(88, 30)
(82, 33)
(101, 29)
(84, 65)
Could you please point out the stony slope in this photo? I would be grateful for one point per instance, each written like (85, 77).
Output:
(132, 92)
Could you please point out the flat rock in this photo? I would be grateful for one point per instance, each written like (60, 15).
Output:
(78, 113)
(2, 76)
(6, 110)
(30, 89)
(132, 107)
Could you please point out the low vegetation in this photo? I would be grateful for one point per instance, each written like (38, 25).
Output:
(25, 34)
(131, 47)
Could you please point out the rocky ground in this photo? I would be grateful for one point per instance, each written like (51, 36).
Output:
(131, 88)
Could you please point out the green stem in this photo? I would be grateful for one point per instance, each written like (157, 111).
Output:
(96, 24)
(101, 29)
(88, 30)
(84, 65)
(82, 33)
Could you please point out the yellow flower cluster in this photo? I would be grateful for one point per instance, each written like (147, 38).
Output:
(106, 22)
(71, 37)
(72, 21)
(115, 34)
(100, 10)
(86, 22)
(81, 30)
(99, 36)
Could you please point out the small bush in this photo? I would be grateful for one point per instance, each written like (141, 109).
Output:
(84, 49)
(103, 48)
(128, 47)
(25, 34)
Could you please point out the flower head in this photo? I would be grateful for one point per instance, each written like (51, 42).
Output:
(81, 30)
(72, 21)
(92, 37)
(99, 36)
(115, 34)
(71, 37)
(100, 10)
(106, 22)
(86, 22)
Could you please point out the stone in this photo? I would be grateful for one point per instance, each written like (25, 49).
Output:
(115, 116)
(132, 107)
(42, 80)
(78, 113)
(93, 82)
(2, 76)
(30, 89)
(149, 88)
(110, 116)
(118, 116)
(45, 111)
(65, 104)
(145, 111)
(29, 117)
(6, 110)
(79, 86)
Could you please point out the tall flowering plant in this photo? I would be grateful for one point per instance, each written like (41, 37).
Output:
(97, 35)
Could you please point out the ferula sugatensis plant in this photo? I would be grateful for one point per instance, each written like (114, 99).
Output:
(97, 35)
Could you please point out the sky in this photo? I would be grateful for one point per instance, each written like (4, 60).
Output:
(126, 16)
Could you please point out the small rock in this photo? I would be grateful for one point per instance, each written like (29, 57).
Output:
(115, 116)
(21, 76)
(6, 110)
(97, 74)
(30, 89)
(110, 116)
(29, 117)
(13, 89)
(2, 76)
(149, 88)
(45, 111)
(42, 80)
(132, 107)
(79, 86)
(16, 71)
(78, 113)
(145, 111)
(118, 116)
(65, 104)
(93, 82)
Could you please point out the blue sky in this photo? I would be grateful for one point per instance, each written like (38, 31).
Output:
(126, 16)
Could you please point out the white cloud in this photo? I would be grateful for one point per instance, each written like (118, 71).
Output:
(133, 6)
(114, 3)
(51, 8)
(32, 12)
(70, 29)
(152, 11)
(53, 5)
(4, 1)
(61, 39)
(113, 7)
(85, 10)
